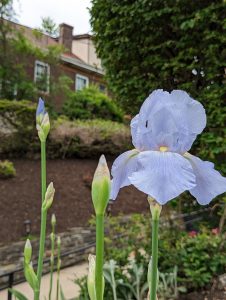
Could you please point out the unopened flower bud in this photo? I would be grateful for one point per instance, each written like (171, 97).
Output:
(101, 186)
(58, 241)
(155, 208)
(49, 196)
(27, 252)
(91, 277)
(53, 220)
(42, 121)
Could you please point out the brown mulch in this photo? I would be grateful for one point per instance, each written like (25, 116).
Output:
(20, 197)
(218, 295)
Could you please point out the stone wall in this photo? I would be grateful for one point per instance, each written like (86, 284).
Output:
(76, 244)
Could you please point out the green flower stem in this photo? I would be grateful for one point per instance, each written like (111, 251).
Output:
(43, 213)
(52, 261)
(154, 260)
(36, 294)
(99, 256)
(43, 169)
(58, 270)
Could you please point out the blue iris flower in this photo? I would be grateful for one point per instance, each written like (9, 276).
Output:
(160, 166)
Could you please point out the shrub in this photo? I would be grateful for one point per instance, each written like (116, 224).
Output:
(17, 126)
(7, 169)
(199, 256)
(78, 138)
(90, 138)
(90, 103)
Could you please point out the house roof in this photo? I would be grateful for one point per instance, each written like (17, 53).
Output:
(43, 40)
(76, 61)
(82, 36)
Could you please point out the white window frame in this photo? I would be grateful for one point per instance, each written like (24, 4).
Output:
(79, 76)
(38, 62)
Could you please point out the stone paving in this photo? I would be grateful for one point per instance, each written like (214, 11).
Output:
(66, 281)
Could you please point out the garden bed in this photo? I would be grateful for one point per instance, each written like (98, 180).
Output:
(20, 196)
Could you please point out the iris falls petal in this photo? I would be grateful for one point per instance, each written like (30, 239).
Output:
(210, 183)
(163, 175)
(122, 168)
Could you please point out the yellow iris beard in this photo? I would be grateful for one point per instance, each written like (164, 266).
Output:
(163, 149)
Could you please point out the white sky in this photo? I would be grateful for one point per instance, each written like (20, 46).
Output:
(72, 12)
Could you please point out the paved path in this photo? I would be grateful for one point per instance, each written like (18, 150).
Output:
(67, 275)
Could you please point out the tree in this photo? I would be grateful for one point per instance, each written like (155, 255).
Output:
(49, 27)
(166, 44)
(14, 49)
(16, 56)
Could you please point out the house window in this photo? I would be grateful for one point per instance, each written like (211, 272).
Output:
(102, 88)
(41, 76)
(81, 82)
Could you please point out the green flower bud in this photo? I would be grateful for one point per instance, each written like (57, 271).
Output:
(48, 197)
(58, 241)
(53, 220)
(27, 252)
(101, 186)
(155, 208)
(91, 277)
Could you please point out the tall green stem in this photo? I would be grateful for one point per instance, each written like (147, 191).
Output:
(154, 260)
(43, 213)
(52, 262)
(99, 256)
(36, 294)
(58, 267)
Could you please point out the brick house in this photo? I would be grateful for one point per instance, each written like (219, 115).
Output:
(79, 61)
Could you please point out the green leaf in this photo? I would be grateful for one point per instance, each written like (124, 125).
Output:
(18, 294)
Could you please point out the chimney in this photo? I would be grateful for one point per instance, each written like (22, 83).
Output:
(66, 36)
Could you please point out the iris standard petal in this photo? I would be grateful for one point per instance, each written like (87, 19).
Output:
(122, 168)
(162, 175)
(40, 107)
(137, 136)
(209, 182)
(161, 132)
(189, 109)
(184, 118)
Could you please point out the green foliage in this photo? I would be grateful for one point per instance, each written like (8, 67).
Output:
(90, 103)
(146, 45)
(17, 129)
(7, 169)
(199, 258)
(49, 27)
(18, 295)
(80, 138)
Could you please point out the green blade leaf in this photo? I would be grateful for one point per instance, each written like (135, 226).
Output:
(18, 294)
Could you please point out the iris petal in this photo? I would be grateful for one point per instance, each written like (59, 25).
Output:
(190, 110)
(175, 114)
(210, 183)
(122, 168)
(163, 175)
(40, 107)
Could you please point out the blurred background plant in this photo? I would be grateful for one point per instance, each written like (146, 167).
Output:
(199, 255)
(7, 169)
(90, 103)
